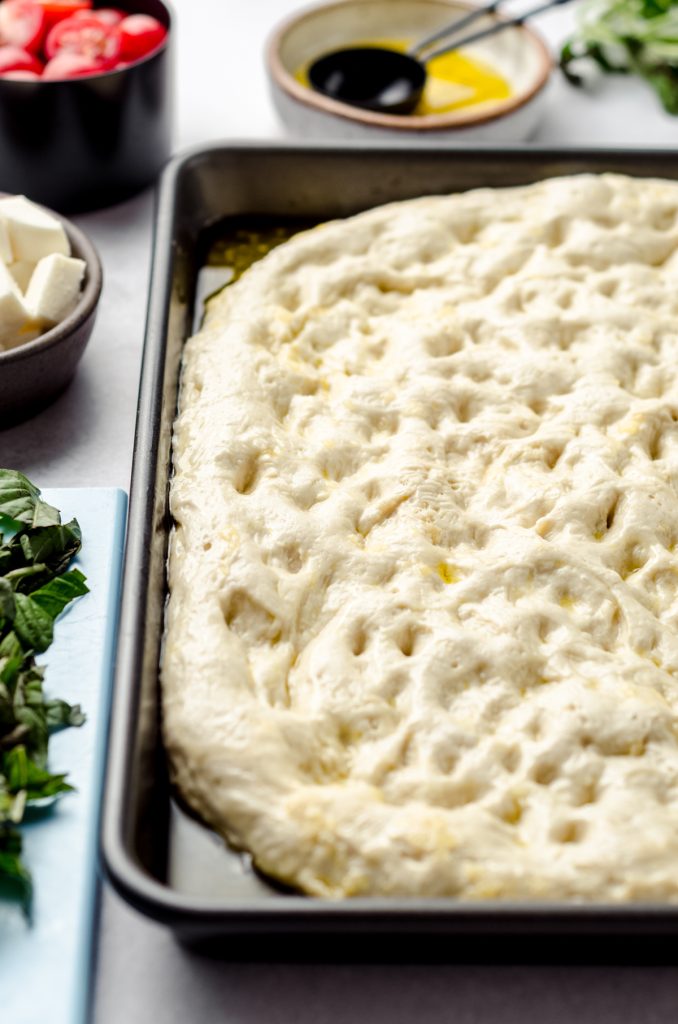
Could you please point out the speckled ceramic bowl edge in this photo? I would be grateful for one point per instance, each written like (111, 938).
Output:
(285, 87)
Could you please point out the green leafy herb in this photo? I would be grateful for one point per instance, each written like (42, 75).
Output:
(628, 37)
(36, 585)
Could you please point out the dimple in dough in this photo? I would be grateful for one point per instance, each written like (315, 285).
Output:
(422, 630)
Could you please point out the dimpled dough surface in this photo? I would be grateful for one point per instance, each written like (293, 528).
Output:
(423, 625)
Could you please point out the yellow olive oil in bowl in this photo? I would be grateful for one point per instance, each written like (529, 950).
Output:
(454, 80)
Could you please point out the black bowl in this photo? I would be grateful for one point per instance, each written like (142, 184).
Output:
(33, 374)
(87, 142)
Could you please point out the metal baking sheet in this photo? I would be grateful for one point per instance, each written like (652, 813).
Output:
(160, 859)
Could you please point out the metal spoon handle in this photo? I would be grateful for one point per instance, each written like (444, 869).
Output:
(493, 29)
(455, 26)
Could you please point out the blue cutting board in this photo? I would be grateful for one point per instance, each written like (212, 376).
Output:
(45, 967)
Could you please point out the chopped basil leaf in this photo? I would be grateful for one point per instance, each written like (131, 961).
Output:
(639, 37)
(35, 588)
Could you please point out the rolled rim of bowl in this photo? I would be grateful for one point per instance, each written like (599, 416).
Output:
(84, 249)
(405, 123)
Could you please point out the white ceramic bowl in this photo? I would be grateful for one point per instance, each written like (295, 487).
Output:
(517, 53)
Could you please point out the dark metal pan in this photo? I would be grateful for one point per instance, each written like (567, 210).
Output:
(160, 859)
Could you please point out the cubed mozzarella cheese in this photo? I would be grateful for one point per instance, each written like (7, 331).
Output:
(33, 233)
(13, 314)
(21, 271)
(5, 245)
(54, 288)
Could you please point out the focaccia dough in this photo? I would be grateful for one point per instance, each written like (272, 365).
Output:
(422, 631)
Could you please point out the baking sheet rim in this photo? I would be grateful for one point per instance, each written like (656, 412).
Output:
(310, 914)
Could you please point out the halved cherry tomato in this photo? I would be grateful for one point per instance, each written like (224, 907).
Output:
(107, 15)
(74, 38)
(22, 24)
(71, 65)
(57, 10)
(140, 34)
(87, 37)
(13, 58)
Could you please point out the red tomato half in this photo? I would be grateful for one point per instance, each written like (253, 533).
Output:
(107, 15)
(22, 24)
(87, 37)
(71, 65)
(140, 34)
(12, 58)
(57, 10)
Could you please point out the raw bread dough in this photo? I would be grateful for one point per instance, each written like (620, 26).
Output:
(422, 631)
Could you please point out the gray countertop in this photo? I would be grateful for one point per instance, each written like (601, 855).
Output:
(86, 437)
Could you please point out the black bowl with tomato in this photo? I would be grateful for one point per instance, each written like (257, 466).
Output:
(86, 97)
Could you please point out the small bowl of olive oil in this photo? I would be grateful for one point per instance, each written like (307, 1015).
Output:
(491, 91)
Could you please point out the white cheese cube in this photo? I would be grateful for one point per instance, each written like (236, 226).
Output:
(5, 244)
(33, 233)
(13, 314)
(21, 271)
(54, 288)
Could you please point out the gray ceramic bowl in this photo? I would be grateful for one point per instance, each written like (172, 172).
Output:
(31, 375)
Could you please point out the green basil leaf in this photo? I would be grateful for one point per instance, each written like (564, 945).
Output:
(35, 556)
(639, 37)
(15, 878)
(60, 714)
(33, 625)
(18, 496)
(59, 592)
(45, 515)
(10, 646)
(664, 81)
(7, 604)
(52, 546)
(36, 586)
(20, 501)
